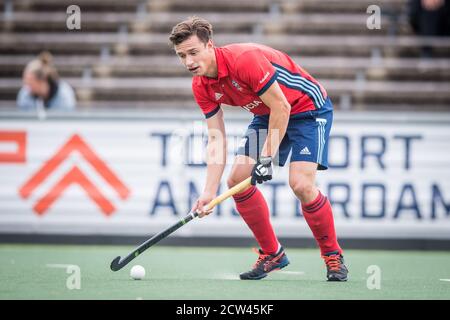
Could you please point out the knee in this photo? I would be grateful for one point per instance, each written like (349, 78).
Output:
(232, 181)
(303, 188)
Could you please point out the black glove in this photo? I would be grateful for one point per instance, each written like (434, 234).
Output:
(262, 171)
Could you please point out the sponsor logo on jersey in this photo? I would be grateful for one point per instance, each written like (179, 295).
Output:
(236, 85)
(251, 105)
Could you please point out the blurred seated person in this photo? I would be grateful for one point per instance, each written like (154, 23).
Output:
(42, 89)
(429, 18)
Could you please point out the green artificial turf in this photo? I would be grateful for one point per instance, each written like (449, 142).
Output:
(212, 273)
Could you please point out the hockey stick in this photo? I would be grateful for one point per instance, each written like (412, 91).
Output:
(119, 263)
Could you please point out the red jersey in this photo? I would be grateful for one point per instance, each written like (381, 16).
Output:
(246, 71)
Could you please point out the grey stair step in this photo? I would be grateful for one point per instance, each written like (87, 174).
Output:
(180, 88)
(169, 66)
(149, 43)
(223, 22)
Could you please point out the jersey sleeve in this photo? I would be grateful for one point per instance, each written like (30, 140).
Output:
(208, 107)
(256, 71)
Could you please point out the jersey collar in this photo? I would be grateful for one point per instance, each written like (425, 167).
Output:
(222, 69)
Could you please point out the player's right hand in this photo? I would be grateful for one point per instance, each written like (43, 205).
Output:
(262, 171)
(201, 203)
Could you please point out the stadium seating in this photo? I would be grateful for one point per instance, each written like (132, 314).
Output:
(121, 57)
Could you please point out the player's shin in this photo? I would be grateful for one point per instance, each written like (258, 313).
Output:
(253, 208)
(319, 216)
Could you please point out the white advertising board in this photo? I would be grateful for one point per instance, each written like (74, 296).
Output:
(389, 177)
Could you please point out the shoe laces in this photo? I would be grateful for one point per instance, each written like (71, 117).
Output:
(262, 257)
(333, 262)
(263, 260)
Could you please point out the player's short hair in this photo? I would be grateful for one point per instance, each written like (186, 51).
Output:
(192, 26)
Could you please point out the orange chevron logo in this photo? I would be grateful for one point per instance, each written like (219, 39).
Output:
(74, 176)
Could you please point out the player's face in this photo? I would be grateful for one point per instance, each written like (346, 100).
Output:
(197, 57)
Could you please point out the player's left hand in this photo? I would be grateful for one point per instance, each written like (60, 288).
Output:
(262, 171)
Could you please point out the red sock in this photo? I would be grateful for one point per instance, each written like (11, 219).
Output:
(253, 208)
(319, 216)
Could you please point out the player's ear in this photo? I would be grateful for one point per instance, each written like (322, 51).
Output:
(209, 44)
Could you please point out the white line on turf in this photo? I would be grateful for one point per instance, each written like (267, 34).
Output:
(448, 280)
(296, 273)
(227, 276)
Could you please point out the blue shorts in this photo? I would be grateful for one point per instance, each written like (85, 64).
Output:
(306, 137)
